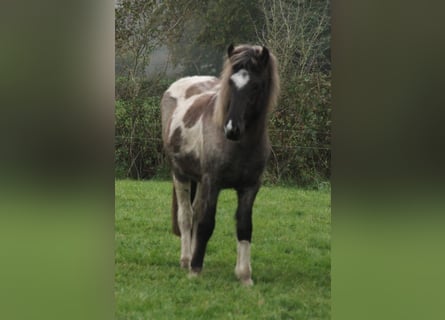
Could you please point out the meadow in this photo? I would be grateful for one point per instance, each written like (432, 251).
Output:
(290, 257)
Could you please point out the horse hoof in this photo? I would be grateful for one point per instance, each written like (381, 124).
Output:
(195, 270)
(244, 276)
(246, 282)
(194, 273)
(185, 263)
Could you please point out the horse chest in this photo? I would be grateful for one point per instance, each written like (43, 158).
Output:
(242, 168)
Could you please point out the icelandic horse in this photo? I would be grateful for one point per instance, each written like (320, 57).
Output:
(214, 133)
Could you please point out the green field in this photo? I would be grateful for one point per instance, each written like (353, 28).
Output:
(290, 258)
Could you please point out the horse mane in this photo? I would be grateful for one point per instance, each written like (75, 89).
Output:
(242, 54)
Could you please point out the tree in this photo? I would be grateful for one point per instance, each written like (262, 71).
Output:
(211, 27)
(298, 32)
(140, 27)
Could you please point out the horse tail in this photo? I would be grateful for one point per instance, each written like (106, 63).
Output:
(175, 225)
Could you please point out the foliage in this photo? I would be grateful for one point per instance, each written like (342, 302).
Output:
(138, 149)
(300, 131)
(136, 34)
(298, 34)
(290, 258)
(213, 25)
(141, 26)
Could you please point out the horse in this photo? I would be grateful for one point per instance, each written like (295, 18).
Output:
(214, 133)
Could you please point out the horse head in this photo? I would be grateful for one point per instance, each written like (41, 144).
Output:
(247, 90)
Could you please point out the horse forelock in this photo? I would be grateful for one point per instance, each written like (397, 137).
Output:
(243, 55)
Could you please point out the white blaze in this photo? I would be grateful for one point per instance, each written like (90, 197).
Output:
(241, 78)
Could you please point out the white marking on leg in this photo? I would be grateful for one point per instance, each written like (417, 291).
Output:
(243, 269)
(197, 210)
(240, 78)
(185, 226)
(185, 218)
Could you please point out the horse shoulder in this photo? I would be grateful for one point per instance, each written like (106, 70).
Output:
(193, 99)
(188, 87)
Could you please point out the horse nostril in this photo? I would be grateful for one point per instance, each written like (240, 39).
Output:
(233, 136)
(232, 131)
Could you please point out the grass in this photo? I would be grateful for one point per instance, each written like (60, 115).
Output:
(290, 258)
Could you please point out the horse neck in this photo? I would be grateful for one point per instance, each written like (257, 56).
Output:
(258, 126)
(256, 131)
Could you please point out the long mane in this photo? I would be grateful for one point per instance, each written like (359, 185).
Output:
(244, 53)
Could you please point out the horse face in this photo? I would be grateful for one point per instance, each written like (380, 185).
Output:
(246, 83)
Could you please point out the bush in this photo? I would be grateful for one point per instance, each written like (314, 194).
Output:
(300, 131)
(138, 142)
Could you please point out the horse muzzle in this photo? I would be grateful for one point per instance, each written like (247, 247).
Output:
(234, 136)
(232, 131)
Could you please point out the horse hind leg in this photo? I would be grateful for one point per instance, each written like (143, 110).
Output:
(175, 225)
(204, 222)
(194, 198)
(185, 219)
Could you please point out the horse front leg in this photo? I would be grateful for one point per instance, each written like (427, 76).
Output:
(243, 269)
(204, 222)
(185, 219)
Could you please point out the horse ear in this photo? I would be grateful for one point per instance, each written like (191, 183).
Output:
(230, 50)
(264, 56)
